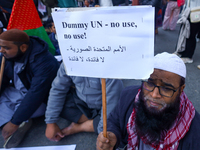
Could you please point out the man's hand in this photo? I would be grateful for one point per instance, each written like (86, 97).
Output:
(104, 143)
(8, 130)
(53, 132)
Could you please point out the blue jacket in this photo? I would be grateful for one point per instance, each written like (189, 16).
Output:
(37, 73)
(118, 120)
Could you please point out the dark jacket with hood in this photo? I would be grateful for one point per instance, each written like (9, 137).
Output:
(37, 73)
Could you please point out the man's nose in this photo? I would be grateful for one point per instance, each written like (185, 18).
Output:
(155, 93)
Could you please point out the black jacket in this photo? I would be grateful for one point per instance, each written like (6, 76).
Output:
(39, 69)
(118, 120)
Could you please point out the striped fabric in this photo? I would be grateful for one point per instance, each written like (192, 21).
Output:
(174, 135)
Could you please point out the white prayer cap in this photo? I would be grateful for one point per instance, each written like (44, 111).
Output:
(171, 63)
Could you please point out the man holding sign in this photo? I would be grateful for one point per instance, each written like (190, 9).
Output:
(79, 100)
(157, 115)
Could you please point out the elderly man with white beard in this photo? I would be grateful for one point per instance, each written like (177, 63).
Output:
(156, 115)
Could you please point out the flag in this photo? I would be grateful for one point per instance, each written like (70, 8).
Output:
(25, 17)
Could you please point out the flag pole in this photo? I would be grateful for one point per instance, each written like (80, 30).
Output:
(1, 71)
(103, 82)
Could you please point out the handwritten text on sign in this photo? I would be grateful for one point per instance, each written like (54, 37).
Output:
(114, 42)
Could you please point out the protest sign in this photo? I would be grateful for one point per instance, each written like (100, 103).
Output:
(107, 42)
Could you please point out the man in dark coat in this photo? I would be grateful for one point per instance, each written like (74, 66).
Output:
(156, 115)
(28, 74)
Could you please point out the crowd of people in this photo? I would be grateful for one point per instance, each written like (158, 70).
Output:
(154, 115)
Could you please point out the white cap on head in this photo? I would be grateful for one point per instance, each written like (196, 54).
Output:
(171, 63)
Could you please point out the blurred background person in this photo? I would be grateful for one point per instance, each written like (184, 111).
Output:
(171, 15)
(194, 28)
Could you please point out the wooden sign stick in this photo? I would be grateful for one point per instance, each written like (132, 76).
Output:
(2, 69)
(103, 82)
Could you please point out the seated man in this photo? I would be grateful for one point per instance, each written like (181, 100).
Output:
(79, 100)
(156, 115)
(29, 71)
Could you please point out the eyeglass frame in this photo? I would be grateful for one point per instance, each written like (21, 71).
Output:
(174, 90)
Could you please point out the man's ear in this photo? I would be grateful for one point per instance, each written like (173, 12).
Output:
(182, 87)
(23, 48)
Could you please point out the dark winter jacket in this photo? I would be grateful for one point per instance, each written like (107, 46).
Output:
(118, 120)
(39, 69)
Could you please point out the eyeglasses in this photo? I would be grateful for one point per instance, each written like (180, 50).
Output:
(164, 91)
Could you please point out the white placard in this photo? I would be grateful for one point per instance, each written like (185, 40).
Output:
(63, 147)
(107, 42)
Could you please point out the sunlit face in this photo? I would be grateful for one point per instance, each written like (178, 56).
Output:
(8, 49)
(155, 101)
(53, 29)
